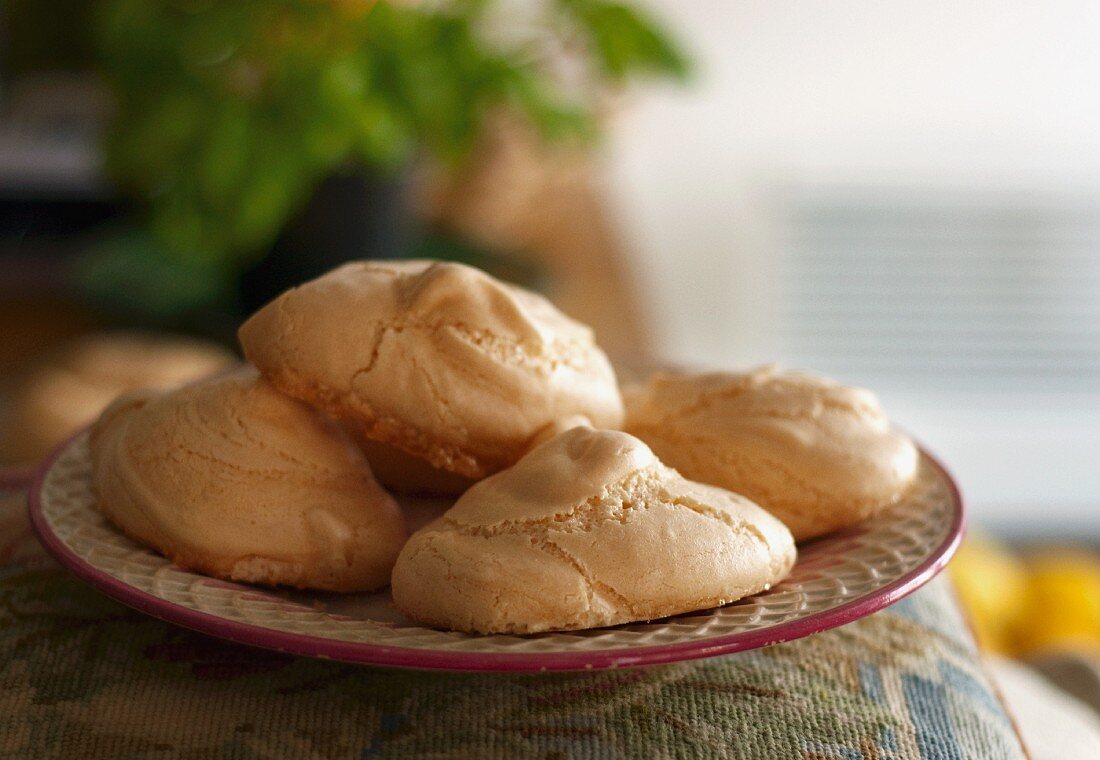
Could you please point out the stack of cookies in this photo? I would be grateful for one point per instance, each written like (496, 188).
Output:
(430, 377)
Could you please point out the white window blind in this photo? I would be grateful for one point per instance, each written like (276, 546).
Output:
(896, 289)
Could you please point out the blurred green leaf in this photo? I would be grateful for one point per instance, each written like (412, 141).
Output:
(129, 273)
(225, 157)
(625, 41)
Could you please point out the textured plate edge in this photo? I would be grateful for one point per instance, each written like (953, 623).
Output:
(500, 662)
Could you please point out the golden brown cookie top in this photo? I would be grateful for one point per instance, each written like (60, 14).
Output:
(229, 471)
(607, 532)
(794, 442)
(439, 359)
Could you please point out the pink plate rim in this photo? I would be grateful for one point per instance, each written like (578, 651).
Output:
(502, 662)
(14, 478)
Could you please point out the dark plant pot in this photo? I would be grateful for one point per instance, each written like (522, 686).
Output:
(353, 215)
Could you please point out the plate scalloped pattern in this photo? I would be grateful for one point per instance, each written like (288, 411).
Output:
(837, 579)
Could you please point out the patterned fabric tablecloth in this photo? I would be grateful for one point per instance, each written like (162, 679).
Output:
(82, 676)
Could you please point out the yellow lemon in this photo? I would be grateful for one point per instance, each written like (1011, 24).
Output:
(1064, 602)
(992, 586)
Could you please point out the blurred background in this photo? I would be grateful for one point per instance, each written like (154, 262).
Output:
(901, 195)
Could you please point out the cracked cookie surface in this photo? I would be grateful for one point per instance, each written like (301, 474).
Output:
(818, 455)
(437, 359)
(233, 479)
(589, 529)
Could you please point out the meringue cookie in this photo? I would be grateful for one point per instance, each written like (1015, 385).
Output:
(816, 454)
(69, 388)
(589, 529)
(439, 360)
(232, 479)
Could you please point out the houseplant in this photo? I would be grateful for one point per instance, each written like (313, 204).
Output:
(231, 115)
